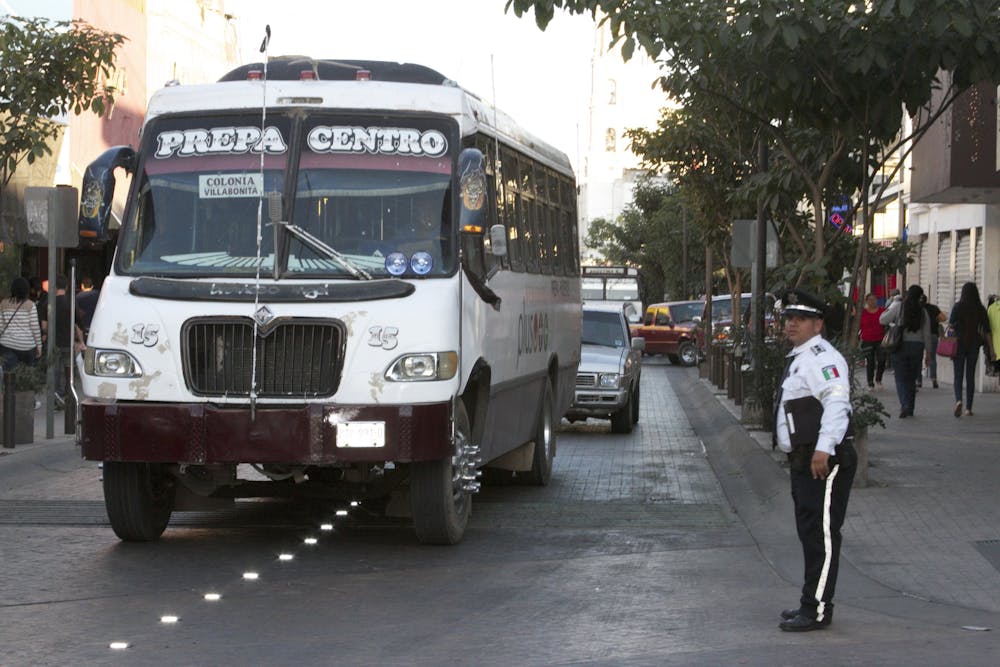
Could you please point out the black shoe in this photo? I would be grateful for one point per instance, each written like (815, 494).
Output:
(803, 624)
(789, 614)
(935, 384)
(903, 414)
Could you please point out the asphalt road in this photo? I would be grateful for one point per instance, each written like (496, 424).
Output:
(637, 553)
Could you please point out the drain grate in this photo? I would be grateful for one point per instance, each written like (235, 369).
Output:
(990, 550)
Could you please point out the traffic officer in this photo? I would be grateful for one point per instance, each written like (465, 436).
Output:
(813, 426)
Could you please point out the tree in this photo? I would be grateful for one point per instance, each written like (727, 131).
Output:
(650, 233)
(47, 69)
(839, 71)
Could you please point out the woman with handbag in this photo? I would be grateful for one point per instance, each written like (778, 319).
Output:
(914, 326)
(972, 330)
(20, 335)
(871, 333)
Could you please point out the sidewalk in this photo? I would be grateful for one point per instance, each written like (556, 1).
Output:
(928, 523)
(58, 431)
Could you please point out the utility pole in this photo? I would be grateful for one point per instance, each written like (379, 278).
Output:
(759, 265)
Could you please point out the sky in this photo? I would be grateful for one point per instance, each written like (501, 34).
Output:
(542, 79)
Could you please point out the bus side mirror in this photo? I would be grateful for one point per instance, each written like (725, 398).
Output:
(498, 240)
(99, 192)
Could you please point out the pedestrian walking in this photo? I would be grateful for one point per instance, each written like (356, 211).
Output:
(907, 361)
(20, 334)
(871, 341)
(936, 318)
(993, 314)
(813, 426)
(972, 329)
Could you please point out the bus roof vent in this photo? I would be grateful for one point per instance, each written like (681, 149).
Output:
(290, 68)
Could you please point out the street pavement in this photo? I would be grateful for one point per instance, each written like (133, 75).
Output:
(920, 569)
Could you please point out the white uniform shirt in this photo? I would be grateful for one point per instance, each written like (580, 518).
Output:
(820, 371)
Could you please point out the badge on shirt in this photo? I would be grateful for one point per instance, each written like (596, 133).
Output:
(830, 372)
(817, 349)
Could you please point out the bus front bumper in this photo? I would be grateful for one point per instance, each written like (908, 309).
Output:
(200, 433)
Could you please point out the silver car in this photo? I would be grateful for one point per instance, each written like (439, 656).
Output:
(607, 381)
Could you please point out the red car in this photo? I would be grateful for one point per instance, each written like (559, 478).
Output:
(670, 328)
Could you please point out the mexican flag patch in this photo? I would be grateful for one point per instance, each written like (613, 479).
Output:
(830, 372)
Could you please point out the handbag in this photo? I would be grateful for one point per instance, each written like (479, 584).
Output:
(892, 338)
(948, 345)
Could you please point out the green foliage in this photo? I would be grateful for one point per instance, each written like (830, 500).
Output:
(867, 409)
(827, 79)
(29, 378)
(650, 234)
(48, 69)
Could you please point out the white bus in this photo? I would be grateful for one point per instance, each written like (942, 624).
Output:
(345, 280)
(613, 284)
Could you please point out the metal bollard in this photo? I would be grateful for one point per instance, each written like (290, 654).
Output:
(8, 411)
(730, 376)
(69, 405)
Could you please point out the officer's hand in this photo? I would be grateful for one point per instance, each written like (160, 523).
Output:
(820, 465)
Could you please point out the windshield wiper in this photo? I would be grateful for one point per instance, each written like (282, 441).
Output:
(324, 249)
(274, 210)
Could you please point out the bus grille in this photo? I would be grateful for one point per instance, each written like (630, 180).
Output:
(295, 358)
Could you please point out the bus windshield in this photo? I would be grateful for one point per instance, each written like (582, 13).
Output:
(379, 197)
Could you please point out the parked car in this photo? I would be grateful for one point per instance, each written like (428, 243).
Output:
(671, 328)
(722, 317)
(607, 380)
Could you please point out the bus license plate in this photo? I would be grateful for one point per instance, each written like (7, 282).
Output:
(361, 434)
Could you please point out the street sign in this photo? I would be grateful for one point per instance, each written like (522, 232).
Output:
(55, 211)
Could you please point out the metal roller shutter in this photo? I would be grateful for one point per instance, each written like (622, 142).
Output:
(962, 255)
(945, 284)
(924, 271)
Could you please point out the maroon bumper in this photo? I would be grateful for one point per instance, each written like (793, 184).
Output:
(200, 433)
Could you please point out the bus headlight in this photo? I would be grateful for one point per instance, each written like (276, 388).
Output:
(110, 363)
(608, 380)
(419, 367)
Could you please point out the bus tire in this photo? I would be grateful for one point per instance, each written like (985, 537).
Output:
(440, 507)
(621, 421)
(545, 442)
(139, 498)
(688, 354)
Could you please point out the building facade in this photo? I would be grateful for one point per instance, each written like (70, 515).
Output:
(623, 95)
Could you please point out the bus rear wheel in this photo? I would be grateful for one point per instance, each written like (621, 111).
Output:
(440, 504)
(139, 498)
(545, 442)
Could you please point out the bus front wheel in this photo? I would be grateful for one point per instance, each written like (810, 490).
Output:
(439, 503)
(139, 498)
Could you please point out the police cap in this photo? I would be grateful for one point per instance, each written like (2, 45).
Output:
(802, 303)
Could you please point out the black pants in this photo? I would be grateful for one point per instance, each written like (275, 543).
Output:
(874, 361)
(820, 506)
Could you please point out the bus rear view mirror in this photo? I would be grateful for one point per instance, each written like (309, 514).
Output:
(99, 193)
(498, 240)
